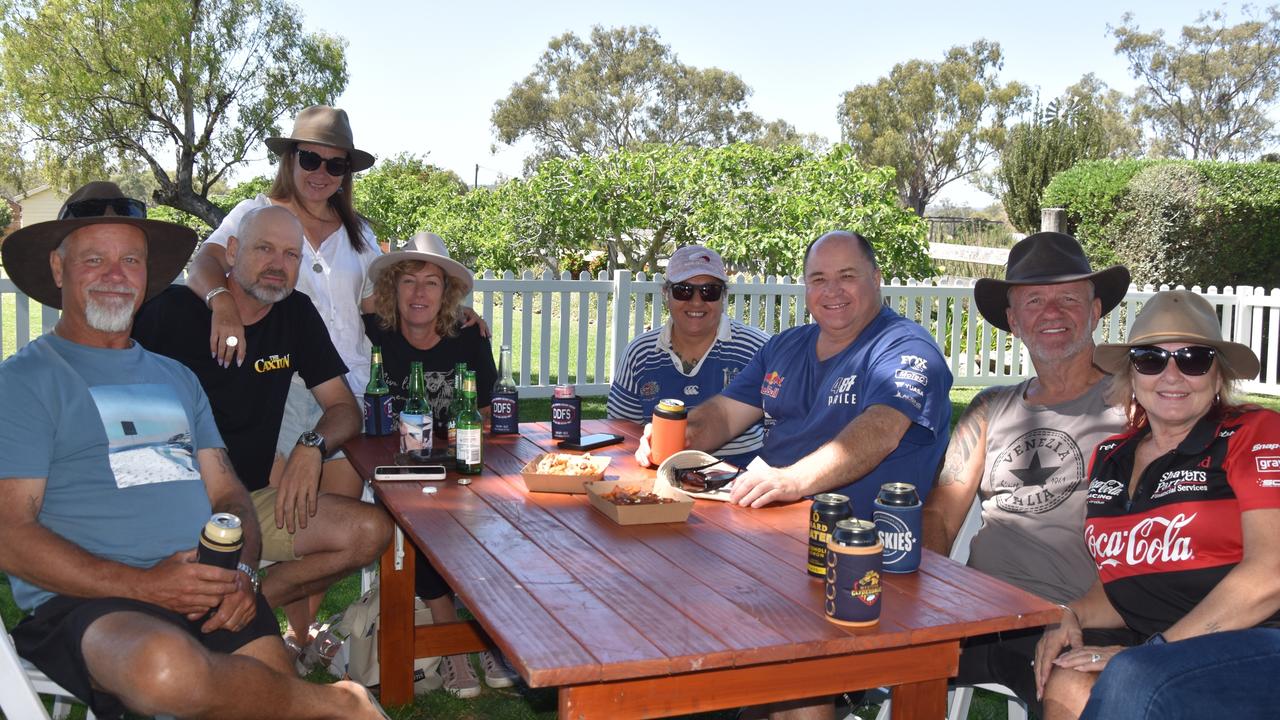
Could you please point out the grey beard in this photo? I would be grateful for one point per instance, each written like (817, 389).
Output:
(108, 317)
(263, 295)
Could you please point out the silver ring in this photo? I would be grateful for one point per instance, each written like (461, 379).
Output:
(1095, 657)
(232, 341)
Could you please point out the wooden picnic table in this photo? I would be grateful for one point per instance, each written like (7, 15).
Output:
(647, 621)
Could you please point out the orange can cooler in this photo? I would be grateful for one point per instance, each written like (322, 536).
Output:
(670, 418)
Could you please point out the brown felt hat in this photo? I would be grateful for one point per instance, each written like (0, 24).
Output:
(25, 253)
(323, 125)
(1047, 258)
(427, 247)
(1179, 316)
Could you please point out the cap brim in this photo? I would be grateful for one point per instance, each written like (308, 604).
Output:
(25, 254)
(1111, 357)
(992, 296)
(360, 160)
(452, 268)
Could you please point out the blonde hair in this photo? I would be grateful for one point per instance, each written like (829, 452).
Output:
(386, 299)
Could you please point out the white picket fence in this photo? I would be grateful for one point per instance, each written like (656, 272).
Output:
(565, 330)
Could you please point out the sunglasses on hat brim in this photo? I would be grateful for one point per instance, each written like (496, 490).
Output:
(709, 292)
(1191, 360)
(336, 166)
(98, 207)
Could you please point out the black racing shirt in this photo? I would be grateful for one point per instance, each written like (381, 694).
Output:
(1160, 552)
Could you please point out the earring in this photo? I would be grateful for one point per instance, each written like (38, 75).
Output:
(1217, 398)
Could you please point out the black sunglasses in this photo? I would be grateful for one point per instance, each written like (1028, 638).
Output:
(336, 166)
(1191, 360)
(697, 480)
(710, 292)
(98, 207)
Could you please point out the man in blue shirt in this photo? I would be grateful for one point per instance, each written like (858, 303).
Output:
(855, 399)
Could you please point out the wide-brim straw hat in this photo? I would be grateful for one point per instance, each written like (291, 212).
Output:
(25, 253)
(323, 125)
(427, 247)
(1179, 316)
(1047, 258)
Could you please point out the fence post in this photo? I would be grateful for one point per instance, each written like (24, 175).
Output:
(621, 316)
(1053, 220)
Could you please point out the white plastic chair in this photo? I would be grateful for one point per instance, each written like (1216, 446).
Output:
(960, 697)
(21, 685)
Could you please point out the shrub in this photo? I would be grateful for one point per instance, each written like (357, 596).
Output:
(1176, 221)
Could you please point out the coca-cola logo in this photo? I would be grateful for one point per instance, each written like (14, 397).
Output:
(1152, 542)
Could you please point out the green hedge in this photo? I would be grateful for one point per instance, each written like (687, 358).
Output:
(1176, 221)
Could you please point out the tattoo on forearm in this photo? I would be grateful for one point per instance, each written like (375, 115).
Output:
(965, 439)
(224, 461)
(1213, 627)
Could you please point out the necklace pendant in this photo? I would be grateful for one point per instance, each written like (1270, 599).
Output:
(317, 267)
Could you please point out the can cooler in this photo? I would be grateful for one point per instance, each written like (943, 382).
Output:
(853, 584)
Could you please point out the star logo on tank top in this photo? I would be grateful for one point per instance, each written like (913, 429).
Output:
(1037, 471)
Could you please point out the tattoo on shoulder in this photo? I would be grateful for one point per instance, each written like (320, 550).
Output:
(965, 438)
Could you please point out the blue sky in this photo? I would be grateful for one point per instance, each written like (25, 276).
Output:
(424, 75)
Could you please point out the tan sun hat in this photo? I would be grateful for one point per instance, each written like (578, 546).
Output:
(1179, 316)
(26, 252)
(427, 247)
(323, 125)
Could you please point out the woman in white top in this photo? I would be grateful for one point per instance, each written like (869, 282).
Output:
(313, 180)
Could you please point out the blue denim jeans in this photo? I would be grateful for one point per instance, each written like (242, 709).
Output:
(1231, 674)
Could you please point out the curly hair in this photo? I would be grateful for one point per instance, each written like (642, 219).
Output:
(386, 299)
(1119, 393)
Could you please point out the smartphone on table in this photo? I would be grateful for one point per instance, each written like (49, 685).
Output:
(591, 442)
(409, 472)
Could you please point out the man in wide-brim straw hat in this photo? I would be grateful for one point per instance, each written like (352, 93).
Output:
(110, 465)
(1024, 449)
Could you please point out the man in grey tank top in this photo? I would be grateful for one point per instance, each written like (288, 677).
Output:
(1024, 450)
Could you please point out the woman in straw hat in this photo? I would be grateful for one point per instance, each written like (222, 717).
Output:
(1183, 509)
(417, 301)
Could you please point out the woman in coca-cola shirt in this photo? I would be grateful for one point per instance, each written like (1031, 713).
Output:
(1183, 511)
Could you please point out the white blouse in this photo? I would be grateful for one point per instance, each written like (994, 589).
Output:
(336, 278)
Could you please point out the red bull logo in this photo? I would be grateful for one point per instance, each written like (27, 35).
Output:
(772, 383)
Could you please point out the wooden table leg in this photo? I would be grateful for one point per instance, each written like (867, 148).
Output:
(395, 622)
(924, 700)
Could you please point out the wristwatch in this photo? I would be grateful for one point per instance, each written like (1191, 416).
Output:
(253, 576)
(311, 438)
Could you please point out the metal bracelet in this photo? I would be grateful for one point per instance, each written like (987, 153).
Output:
(1073, 613)
(209, 296)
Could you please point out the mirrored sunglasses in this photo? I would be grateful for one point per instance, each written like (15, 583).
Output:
(98, 207)
(1191, 360)
(710, 292)
(336, 166)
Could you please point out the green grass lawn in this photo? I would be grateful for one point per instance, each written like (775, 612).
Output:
(523, 703)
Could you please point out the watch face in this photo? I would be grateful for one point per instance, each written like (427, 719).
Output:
(310, 438)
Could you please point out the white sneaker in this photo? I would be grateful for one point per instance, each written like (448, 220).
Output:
(459, 677)
(496, 672)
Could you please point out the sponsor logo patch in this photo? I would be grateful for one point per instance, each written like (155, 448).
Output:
(772, 384)
(1268, 463)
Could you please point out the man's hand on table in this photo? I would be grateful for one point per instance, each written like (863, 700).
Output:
(763, 484)
(642, 452)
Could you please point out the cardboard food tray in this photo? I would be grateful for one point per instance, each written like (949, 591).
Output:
(677, 511)
(536, 482)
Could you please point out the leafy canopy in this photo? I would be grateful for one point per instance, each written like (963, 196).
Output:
(189, 87)
(621, 88)
(1207, 95)
(932, 122)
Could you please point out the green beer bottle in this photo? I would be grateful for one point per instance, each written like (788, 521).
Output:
(455, 407)
(379, 419)
(415, 419)
(470, 454)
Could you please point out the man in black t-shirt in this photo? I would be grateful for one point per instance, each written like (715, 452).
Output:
(314, 540)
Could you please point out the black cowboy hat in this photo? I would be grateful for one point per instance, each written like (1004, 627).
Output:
(1047, 258)
(25, 253)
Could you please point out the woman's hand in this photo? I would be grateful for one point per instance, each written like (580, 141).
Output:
(1089, 658)
(226, 333)
(471, 317)
(1067, 633)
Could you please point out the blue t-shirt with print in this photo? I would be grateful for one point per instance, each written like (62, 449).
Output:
(892, 362)
(115, 435)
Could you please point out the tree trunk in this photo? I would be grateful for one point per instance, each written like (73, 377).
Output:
(188, 201)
